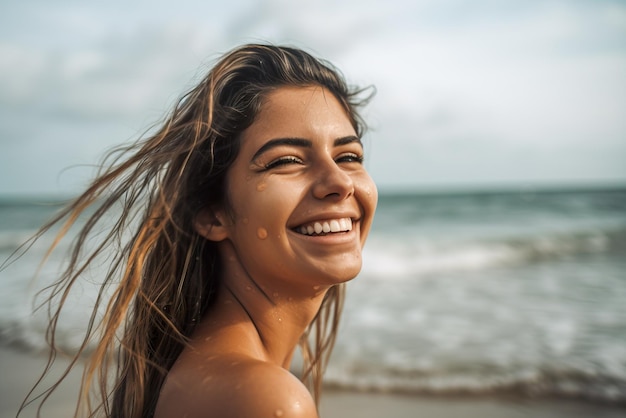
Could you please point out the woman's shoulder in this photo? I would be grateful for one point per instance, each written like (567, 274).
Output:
(234, 386)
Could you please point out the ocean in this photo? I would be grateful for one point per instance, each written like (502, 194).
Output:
(520, 292)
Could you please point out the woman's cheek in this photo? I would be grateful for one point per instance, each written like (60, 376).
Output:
(367, 196)
(264, 205)
(368, 191)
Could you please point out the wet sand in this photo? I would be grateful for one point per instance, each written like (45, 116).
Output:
(19, 370)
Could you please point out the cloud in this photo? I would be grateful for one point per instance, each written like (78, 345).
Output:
(481, 83)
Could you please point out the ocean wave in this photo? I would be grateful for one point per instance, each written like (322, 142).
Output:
(28, 333)
(532, 383)
(387, 257)
(11, 240)
(14, 334)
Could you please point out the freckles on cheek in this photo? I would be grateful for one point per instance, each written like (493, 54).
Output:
(259, 214)
(263, 207)
(261, 233)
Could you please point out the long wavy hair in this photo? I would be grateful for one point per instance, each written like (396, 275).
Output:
(162, 274)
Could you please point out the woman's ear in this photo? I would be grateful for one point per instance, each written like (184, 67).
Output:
(210, 224)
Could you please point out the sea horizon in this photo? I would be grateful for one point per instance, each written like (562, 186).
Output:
(394, 190)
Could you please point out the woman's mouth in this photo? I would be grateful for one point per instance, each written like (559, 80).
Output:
(325, 227)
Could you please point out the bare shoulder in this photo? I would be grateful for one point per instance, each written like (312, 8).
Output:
(268, 390)
(235, 387)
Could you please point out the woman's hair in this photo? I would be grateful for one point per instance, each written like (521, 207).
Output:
(163, 275)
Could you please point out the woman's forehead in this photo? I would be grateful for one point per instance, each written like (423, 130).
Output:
(306, 112)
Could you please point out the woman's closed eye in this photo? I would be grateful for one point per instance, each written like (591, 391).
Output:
(282, 161)
(349, 157)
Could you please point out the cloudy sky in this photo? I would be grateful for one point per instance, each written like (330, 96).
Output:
(470, 94)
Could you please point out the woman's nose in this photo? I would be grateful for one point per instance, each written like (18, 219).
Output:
(332, 182)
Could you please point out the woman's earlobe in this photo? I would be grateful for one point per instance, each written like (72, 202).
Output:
(210, 226)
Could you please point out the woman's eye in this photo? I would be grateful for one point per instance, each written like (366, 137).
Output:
(283, 161)
(350, 158)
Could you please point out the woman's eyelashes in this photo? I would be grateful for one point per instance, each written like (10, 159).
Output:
(350, 158)
(282, 161)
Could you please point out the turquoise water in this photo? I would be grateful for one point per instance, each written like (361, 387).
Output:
(520, 292)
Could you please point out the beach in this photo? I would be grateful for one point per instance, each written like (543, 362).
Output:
(513, 299)
(20, 369)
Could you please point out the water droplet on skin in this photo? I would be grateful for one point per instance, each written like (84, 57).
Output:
(316, 287)
(280, 319)
(278, 413)
(261, 186)
(248, 288)
(261, 233)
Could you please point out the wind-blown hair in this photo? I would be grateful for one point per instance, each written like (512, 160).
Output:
(163, 275)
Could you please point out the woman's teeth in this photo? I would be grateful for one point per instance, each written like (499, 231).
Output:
(325, 227)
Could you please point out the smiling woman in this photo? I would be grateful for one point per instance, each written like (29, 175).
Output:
(250, 207)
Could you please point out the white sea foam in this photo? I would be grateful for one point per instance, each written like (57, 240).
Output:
(389, 257)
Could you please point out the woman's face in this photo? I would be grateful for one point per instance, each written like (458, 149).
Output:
(301, 203)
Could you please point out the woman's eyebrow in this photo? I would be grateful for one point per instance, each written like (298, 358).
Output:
(347, 140)
(294, 142)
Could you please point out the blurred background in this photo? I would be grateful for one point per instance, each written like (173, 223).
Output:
(498, 142)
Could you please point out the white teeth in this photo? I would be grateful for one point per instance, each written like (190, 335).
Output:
(333, 225)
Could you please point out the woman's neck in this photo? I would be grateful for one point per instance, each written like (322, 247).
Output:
(253, 319)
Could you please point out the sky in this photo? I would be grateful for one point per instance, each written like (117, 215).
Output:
(475, 94)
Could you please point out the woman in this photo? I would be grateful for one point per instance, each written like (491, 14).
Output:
(250, 206)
